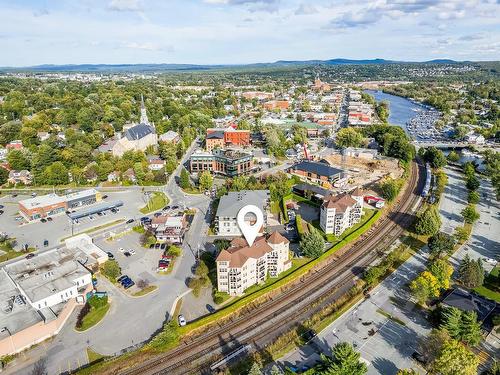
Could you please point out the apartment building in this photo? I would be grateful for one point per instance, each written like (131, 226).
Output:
(241, 266)
(231, 203)
(227, 137)
(339, 212)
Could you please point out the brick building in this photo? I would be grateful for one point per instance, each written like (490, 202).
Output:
(228, 163)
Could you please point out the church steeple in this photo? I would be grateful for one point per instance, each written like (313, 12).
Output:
(144, 115)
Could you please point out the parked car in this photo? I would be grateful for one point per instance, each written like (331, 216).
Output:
(145, 218)
(49, 219)
(43, 220)
(157, 245)
(152, 246)
(156, 214)
(46, 243)
(30, 255)
(104, 196)
(99, 214)
(163, 246)
(14, 195)
(419, 357)
(110, 255)
(132, 251)
(1, 212)
(182, 320)
(121, 249)
(166, 208)
(129, 221)
(127, 254)
(175, 207)
(122, 277)
(210, 308)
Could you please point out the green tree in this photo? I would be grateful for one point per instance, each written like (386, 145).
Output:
(390, 188)
(175, 251)
(441, 244)
(428, 222)
(433, 343)
(348, 137)
(111, 269)
(442, 270)
(275, 370)
(344, 360)
(425, 286)
(4, 175)
(56, 174)
(435, 157)
(470, 329)
(312, 244)
(472, 183)
(471, 272)
(17, 160)
(408, 371)
(469, 169)
(473, 197)
(255, 369)
(451, 321)
(453, 156)
(184, 179)
(461, 234)
(206, 180)
(454, 358)
(470, 214)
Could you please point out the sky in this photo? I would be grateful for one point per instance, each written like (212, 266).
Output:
(34, 32)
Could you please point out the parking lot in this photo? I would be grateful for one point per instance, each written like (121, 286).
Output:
(141, 264)
(35, 233)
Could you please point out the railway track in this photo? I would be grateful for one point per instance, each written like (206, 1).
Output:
(259, 325)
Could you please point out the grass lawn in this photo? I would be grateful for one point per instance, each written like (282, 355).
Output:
(146, 290)
(93, 317)
(389, 316)
(94, 356)
(157, 201)
(489, 289)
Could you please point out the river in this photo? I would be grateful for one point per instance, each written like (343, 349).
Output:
(401, 110)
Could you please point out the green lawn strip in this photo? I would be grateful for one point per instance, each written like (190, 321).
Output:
(93, 317)
(489, 288)
(94, 356)
(488, 293)
(146, 290)
(156, 202)
(391, 317)
(94, 229)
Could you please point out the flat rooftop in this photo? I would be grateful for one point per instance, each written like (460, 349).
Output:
(231, 203)
(95, 208)
(15, 313)
(42, 201)
(48, 273)
(80, 194)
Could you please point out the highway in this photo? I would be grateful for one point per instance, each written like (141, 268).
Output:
(260, 324)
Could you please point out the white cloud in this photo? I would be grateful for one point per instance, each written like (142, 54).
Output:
(125, 5)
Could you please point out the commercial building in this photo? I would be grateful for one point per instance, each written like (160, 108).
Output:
(282, 105)
(231, 203)
(53, 204)
(227, 162)
(169, 228)
(38, 295)
(241, 266)
(315, 171)
(339, 212)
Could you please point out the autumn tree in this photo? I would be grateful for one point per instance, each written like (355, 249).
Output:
(425, 286)
(454, 358)
(348, 137)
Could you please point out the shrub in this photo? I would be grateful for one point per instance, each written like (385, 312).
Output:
(83, 312)
(111, 269)
(175, 251)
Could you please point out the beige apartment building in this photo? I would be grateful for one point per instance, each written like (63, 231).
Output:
(241, 266)
(339, 212)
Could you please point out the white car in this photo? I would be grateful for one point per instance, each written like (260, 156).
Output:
(182, 320)
(490, 261)
(121, 249)
(132, 252)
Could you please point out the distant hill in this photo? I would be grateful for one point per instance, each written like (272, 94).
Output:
(138, 68)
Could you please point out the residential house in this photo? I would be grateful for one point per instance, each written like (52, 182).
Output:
(170, 136)
(14, 145)
(155, 163)
(20, 177)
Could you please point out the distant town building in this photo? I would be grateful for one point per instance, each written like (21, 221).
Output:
(339, 212)
(321, 86)
(257, 95)
(155, 163)
(271, 105)
(170, 136)
(227, 137)
(241, 266)
(228, 162)
(231, 203)
(14, 145)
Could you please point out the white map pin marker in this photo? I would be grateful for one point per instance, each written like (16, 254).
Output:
(250, 231)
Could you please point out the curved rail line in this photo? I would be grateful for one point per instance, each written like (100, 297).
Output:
(283, 307)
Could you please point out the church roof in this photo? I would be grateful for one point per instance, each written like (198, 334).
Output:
(138, 132)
